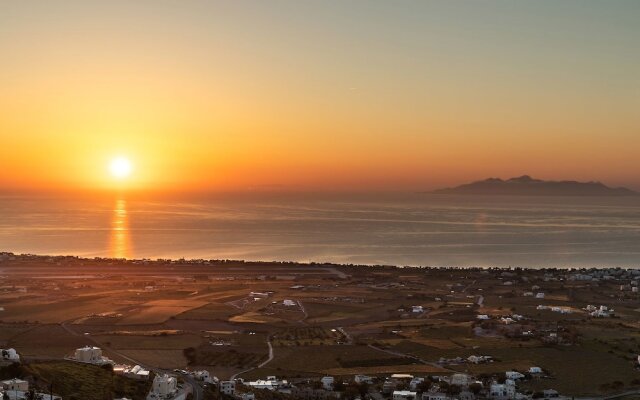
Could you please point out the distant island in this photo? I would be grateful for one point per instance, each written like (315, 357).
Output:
(528, 186)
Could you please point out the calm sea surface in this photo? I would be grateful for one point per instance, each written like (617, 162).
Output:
(408, 229)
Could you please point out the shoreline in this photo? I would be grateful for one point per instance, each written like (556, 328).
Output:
(25, 257)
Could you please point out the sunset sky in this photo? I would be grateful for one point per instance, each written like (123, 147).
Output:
(327, 95)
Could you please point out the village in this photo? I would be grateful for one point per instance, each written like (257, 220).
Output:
(74, 328)
(397, 386)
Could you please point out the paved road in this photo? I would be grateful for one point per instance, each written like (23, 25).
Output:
(196, 388)
(304, 312)
(262, 364)
(268, 360)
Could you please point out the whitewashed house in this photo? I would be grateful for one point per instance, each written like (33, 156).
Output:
(461, 380)
(404, 395)
(91, 355)
(363, 379)
(227, 387)
(202, 375)
(164, 387)
(15, 384)
(535, 370)
(502, 391)
(479, 359)
(388, 386)
(513, 375)
(327, 382)
(136, 372)
(434, 396)
(270, 384)
(9, 355)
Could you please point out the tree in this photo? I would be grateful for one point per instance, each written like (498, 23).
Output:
(424, 386)
(475, 388)
(453, 390)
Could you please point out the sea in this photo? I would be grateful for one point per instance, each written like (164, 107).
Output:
(405, 229)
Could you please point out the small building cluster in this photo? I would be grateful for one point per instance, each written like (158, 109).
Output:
(458, 386)
(599, 312)
(136, 372)
(561, 310)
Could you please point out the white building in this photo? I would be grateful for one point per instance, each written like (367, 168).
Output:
(248, 396)
(514, 375)
(599, 312)
(535, 370)
(202, 375)
(164, 387)
(9, 355)
(502, 391)
(417, 309)
(289, 303)
(402, 376)
(91, 355)
(263, 384)
(136, 372)
(363, 379)
(540, 295)
(404, 395)
(479, 359)
(19, 395)
(434, 396)
(327, 382)
(227, 387)
(461, 380)
(15, 384)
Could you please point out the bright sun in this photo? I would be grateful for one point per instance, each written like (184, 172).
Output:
(120, 167)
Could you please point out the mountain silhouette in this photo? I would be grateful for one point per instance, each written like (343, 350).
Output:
(527, 186)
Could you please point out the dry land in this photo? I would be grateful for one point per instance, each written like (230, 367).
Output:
(320, 319)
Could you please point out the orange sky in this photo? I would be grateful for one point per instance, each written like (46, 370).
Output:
(207, 96)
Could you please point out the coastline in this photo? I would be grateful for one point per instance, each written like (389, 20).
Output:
(70, 260)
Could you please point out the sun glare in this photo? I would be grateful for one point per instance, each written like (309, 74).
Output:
(120, 167)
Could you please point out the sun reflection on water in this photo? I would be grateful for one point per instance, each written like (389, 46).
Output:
(120, 246)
